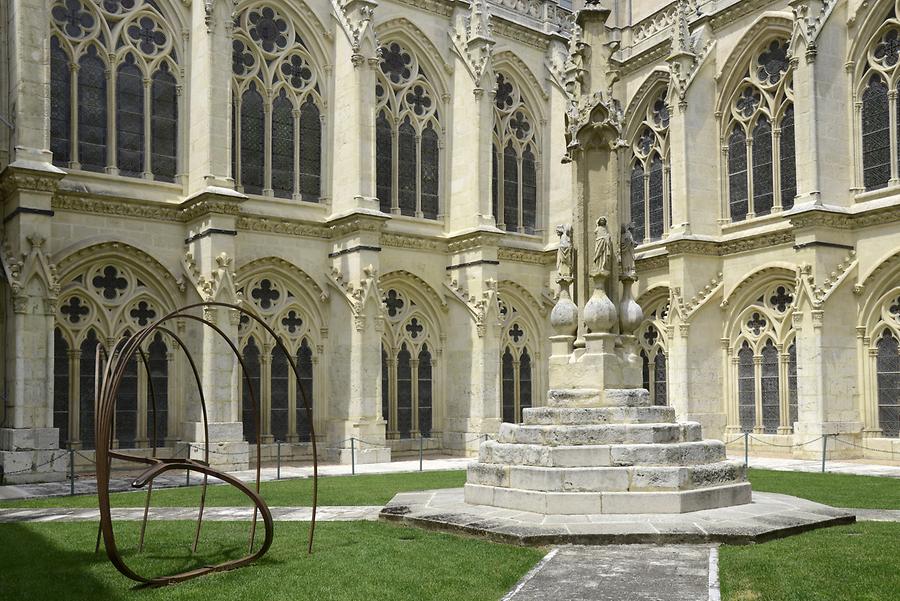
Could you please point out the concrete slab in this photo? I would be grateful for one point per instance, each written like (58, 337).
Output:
(768, 516)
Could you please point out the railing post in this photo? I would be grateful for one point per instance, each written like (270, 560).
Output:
(71, 472)
(278, 464)
(352, 456)
(421, 443)
(824, 450)
(746, 449)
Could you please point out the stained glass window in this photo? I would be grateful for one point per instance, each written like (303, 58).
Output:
(278, 395)
(126, 407)
(430, 172)
(305, 366)
(60, 104)
(251, 379)
(788, 160)
(253, 123)
(384, 161)
(61, 387)
(86, 389)
(746, 389)
(645, 370)
(876, 138)
(792, 385)
(130, 118)
(637, 201)
(510, 188)
(655, 199)
(425, 392)
(404, 392)
(282, 147)
(407, 171)
(660, 382)
(529, 190)
(770, 389)
(310, 152)
(524, 383)
(92, 111)
(157, 359)
(385, 385)
(887, 367)
(763, 192)
(508, 392)
(737, 174)
(164, 125)
(495, 175)
(514, 177)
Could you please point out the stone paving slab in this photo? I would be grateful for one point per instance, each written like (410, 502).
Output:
(619, 573)
(858, 467)
(768, 516)
(348, 513)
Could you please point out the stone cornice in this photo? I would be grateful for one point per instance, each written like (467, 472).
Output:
(519, 33)
(210, 203)
(118, 207)
(357, 222)
(413, 242)
(736, 11)
(283, 226)
(652, 263)
(437, 7)
(526, 255)
(846, 221)
(16, 178)
(634, 62)
(473, 240)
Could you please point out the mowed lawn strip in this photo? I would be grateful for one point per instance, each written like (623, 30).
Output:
(369, 489)
(837, 490)
(352, 561)
(859, 562)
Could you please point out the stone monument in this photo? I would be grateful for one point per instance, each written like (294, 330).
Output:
(599, 446)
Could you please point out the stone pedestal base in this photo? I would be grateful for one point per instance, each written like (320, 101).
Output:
(228, 451)
(32, 455)
(367, 454)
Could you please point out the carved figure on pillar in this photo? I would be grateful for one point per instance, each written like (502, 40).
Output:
(564, 254)
(564, 317)
(626, 251)
(603, 249)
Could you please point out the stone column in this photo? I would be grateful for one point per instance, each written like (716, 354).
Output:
(354, 409)
(29, 444)
(210, 240)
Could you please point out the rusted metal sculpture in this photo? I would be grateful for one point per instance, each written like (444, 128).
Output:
(110, 368)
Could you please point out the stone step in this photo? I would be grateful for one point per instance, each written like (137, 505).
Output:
(591, 503)
(675, 454)
(594, 397)
(600, 434)
(607, 479)
(579, 416)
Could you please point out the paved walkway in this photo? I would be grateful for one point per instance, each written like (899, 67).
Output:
(347, 513)
(622, 573)
(832, 467)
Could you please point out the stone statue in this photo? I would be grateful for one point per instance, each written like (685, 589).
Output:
(603, 249)
(626, 251)
(564, 254)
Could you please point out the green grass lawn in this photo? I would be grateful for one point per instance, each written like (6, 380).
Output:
(376, 489)
(860, 562)
(364, 561)
(837, 490)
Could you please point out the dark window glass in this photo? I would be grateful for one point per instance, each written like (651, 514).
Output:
(792, 385)
(746, 389)
(508, 381)
(788, 160)
(310, 152)
(406, 168)
(495, 175)
(278, 399)
(737, 174)
(385, 387)
(164, 125)
(524, 383)
(529, 190)
(876, 138)
(404, 392)
(61, 387)
(645, 370)
(655, 200)
(637, 201)
(282, 147)
(763, 191)
(888, 374)
(384, 162)
(235, 128)
(92, 112)
(252, 373)
(158, 391)
(86, 389)
(126, 407)
(130, 119)
(770, 389)
(425, 392)
(430, 172)
(305, 365)
(60, 105)
(253, 123)
(510, 189)
(660, 387)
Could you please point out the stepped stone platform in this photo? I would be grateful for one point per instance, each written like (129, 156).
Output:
(768, 516)
(604, 452)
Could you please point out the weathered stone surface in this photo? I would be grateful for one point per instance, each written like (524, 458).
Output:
(603, 434)
(571, 416)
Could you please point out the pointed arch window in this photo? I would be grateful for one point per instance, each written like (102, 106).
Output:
(279, 424)
(133, 131)
(86, 388)
(516, 362)
(407, 136)
(654, 369)
(250, 382)
(515, 159)
(888, 378)
(61, 387)
(157, 358)
(305, 365)
(759, 136)
(650, 195)
(746, 388)
(279, 152)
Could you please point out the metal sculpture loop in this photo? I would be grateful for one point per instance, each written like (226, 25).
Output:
(110, 369)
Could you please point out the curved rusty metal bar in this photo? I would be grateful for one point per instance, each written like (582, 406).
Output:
(108, 379)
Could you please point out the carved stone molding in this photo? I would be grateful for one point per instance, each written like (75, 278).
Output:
(472, 40)
(137, 209)
(283, 226)
(410, 241)
(219, 285)
(484, 311)
(360, 294)
(523, 255)
(473, 240)
(210, 203)
(16, 178)
(32, 265)
(818, 294)
(356, 222)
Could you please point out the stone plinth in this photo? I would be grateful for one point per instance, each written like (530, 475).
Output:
(604, 452)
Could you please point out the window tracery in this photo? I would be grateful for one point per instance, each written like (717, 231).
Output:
(759, 148)
(278, 108)
(881, 371)
(515, 159)
(650, 179)
(408, 136)
(517, 357)
(652, 337)
(127, 48)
